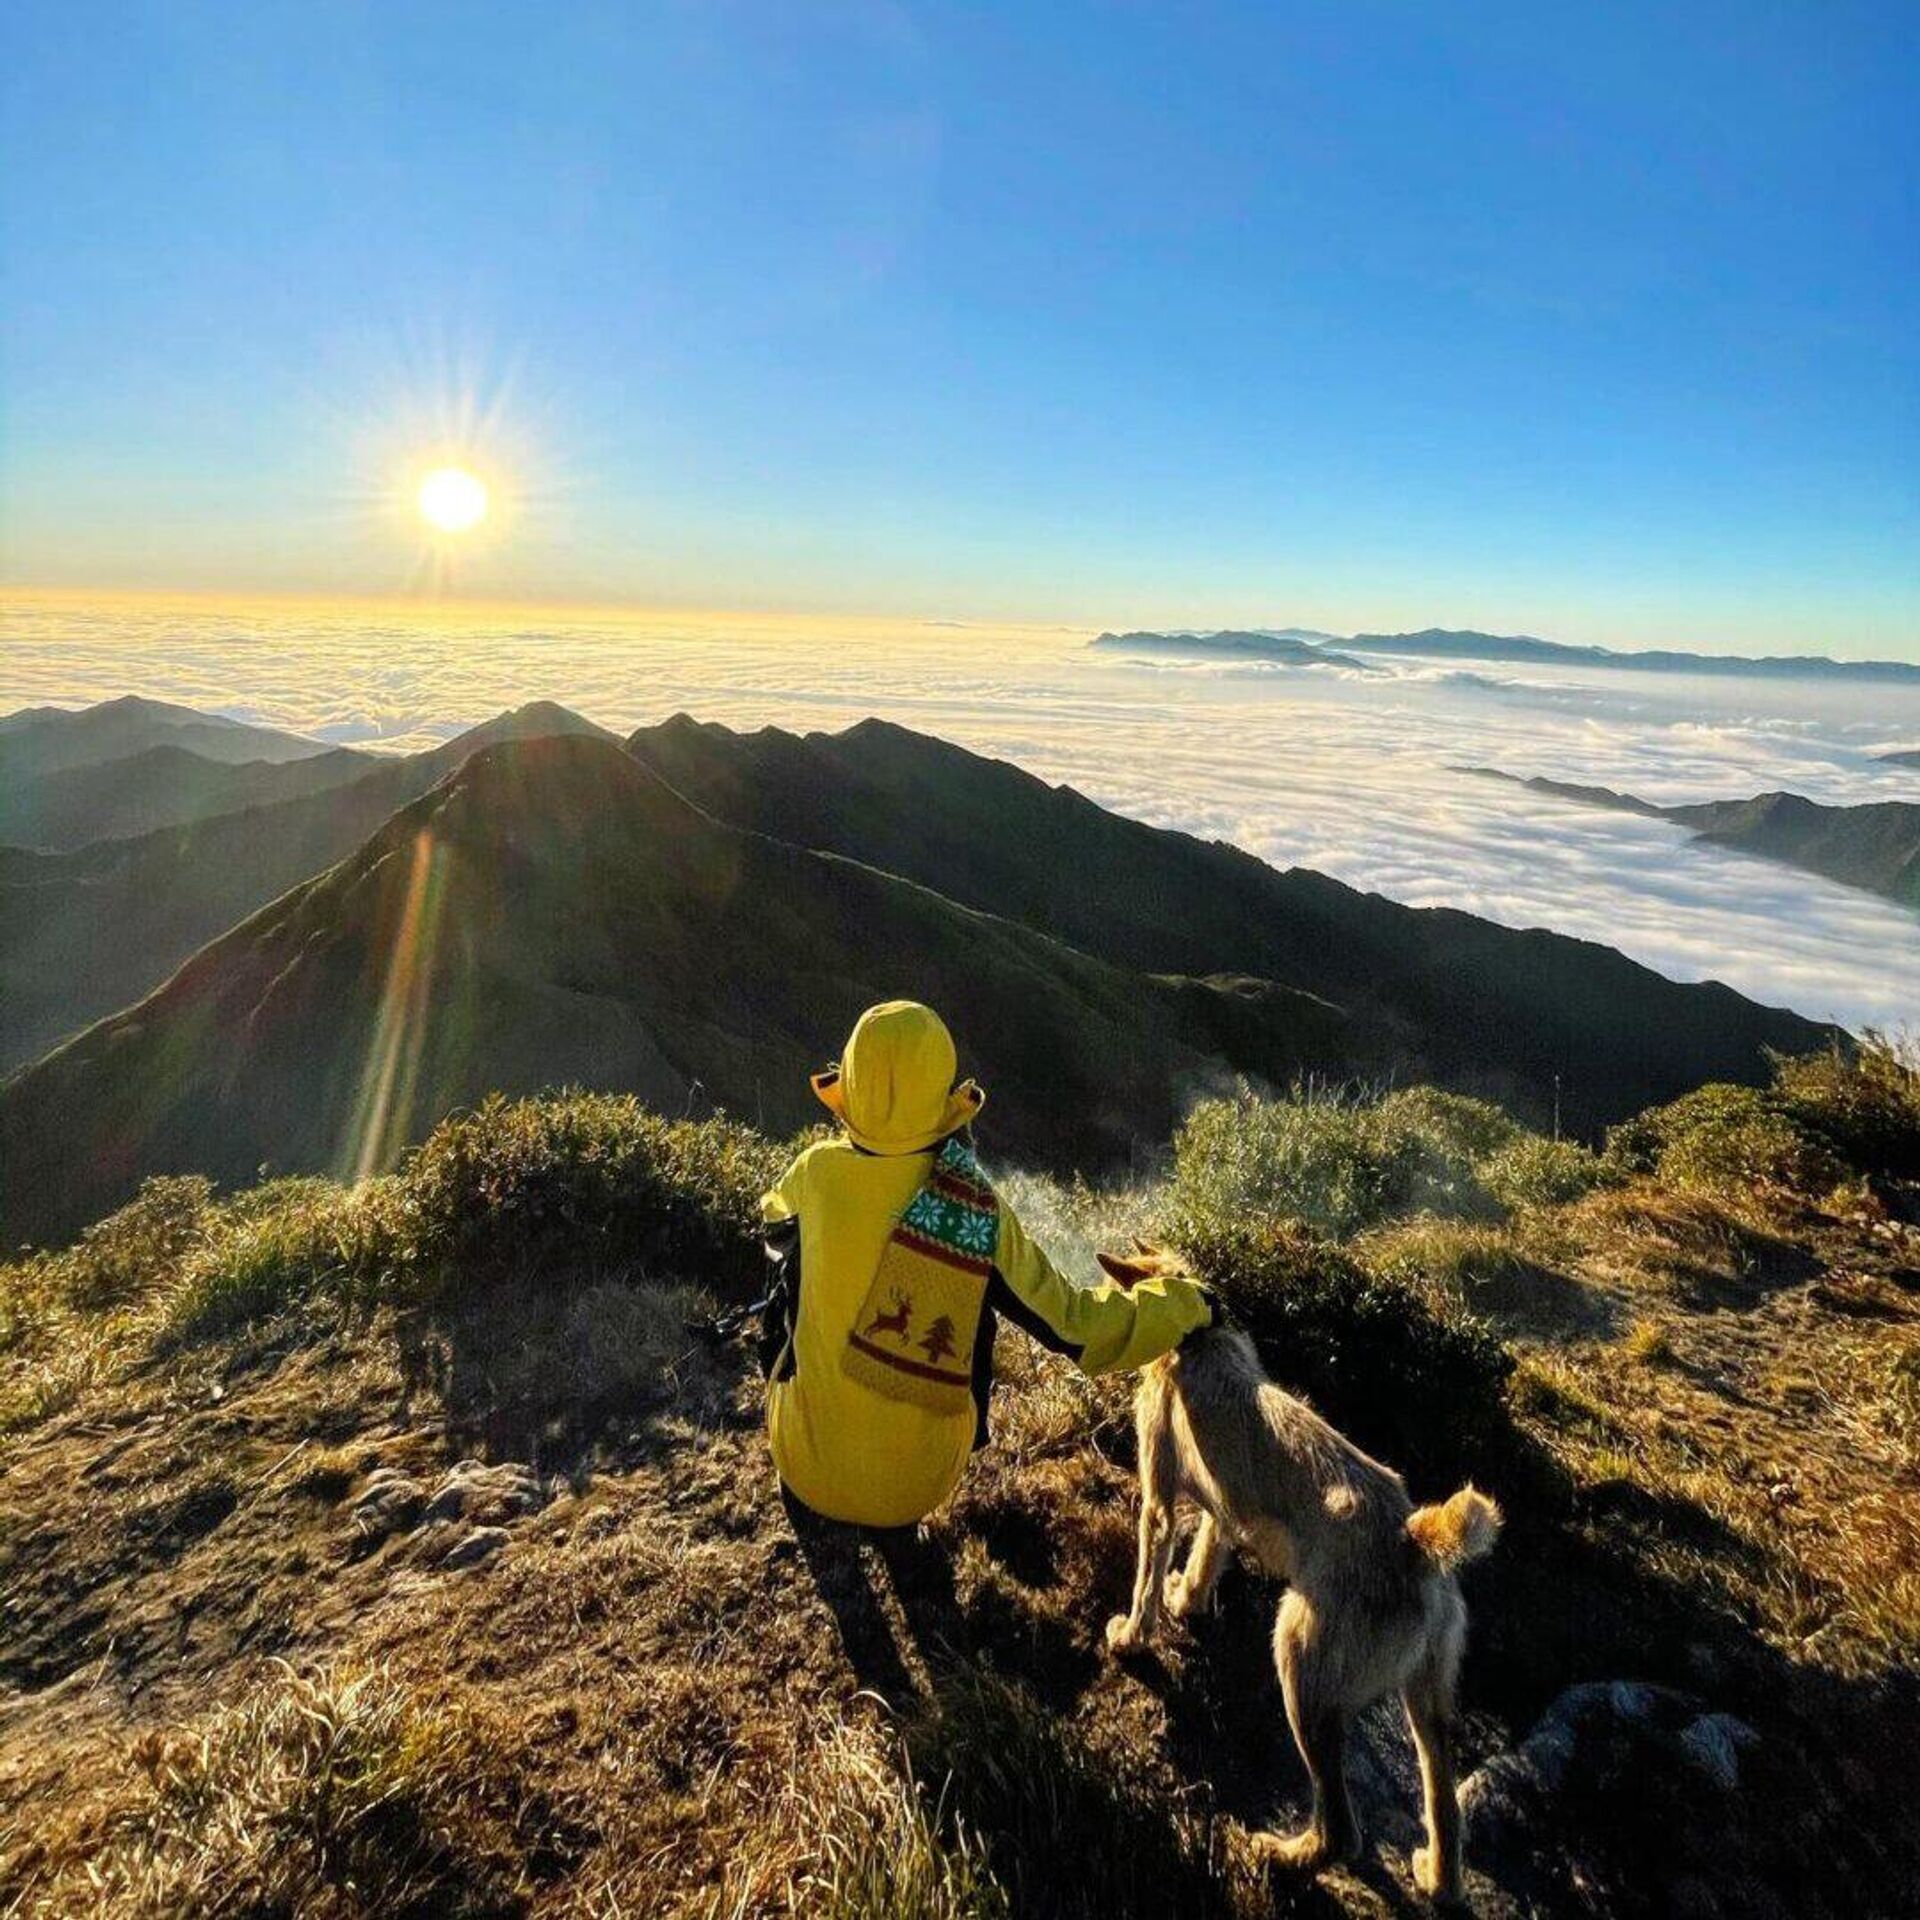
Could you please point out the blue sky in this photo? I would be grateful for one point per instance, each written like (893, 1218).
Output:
(1603, 322)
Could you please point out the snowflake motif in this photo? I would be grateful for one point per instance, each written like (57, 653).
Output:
(974, 1233)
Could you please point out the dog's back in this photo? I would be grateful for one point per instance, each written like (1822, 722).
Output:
(1276, 1468)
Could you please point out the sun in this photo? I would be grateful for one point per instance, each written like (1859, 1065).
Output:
(452, 499)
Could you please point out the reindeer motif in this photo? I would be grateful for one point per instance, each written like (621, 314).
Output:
(897, 1321)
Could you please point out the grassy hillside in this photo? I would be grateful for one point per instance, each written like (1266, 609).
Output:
(429, 1560)
(1426, 993)
(554, 914)
(86, 933)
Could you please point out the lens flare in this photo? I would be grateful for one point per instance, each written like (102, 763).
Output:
(383, 1113)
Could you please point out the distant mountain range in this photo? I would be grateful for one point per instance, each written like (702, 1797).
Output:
(44, 739)
(698, 914)
(1293, 648)
(1454, 644)
(1875, 846)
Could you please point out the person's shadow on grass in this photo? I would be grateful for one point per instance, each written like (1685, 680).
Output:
(891, 1593)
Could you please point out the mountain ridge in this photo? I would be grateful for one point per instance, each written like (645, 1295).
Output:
(85, 932)
(1873, 846)
(1465, 643)
(551, 913)
(715, 918)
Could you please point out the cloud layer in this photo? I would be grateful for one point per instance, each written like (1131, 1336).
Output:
(1346, 773)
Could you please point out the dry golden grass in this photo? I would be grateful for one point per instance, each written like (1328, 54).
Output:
(661, 1699)
(338, 1792)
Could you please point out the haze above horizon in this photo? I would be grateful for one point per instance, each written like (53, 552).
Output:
(1599, 327)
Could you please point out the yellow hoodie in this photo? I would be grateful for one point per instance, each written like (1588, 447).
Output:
(846, 1451)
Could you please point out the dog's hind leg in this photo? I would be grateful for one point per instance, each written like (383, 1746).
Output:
(1191, 1591)
(1319, 1725)
(1159, 1489)
(1428, 1699)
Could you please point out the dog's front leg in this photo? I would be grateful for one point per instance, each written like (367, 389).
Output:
(1159, 1489)
(1128, 1631)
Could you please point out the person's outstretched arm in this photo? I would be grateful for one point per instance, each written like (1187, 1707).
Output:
(1108, 1328)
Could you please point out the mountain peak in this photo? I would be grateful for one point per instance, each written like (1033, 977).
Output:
(530, 721)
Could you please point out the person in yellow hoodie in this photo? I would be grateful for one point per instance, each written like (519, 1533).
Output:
(897, 1259)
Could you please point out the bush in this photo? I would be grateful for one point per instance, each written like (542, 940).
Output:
(277, 1246)
(124, 1256)
(1375, 1357)
(587, 1181)
(1739, 1144)
(1339, 1164)
(1533, 1172)
(1863, 1102)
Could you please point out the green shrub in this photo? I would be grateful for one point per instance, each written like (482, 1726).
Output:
(1532, 1172)
(1739, 1144)
(1450, 1124)
(1864, 1102)
(587, 1182)
(124, 1256)
(1337, 1163)
(1424, 1389)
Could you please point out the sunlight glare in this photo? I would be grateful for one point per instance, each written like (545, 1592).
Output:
(452, 499)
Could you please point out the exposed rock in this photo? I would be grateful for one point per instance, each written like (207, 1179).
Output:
(474, 1548)
(389, 1502)
(1714, 1743)
(1609, 1759)
(486, 1495)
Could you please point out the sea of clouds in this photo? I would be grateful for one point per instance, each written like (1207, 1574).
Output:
(1351, 773)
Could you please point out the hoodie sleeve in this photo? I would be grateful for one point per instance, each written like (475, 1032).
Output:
(1108, 1328)
(781, 1201)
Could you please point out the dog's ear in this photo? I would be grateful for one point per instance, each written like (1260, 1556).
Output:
(1128, 1273)
(1147, 1249)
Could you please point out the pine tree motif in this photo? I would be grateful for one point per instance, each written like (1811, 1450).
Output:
(938, 1342)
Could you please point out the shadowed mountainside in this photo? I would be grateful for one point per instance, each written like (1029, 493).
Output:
(552, 914)
(38, 740)
(1427, 991)
(1875, 846)
(85, 933)
(159, 786)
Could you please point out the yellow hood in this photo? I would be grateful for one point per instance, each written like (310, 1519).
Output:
(894, 1088)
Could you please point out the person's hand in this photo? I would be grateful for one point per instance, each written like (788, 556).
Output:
(1125, 1272)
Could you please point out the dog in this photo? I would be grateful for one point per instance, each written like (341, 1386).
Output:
(1373, 1603)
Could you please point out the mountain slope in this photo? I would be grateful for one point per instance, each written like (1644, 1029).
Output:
(554, 914)
(39, 740)
(84, 933)
(157, 787)
(1428, 991)
(1875, 846)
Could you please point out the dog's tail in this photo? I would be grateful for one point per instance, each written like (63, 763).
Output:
(1456, 1531)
